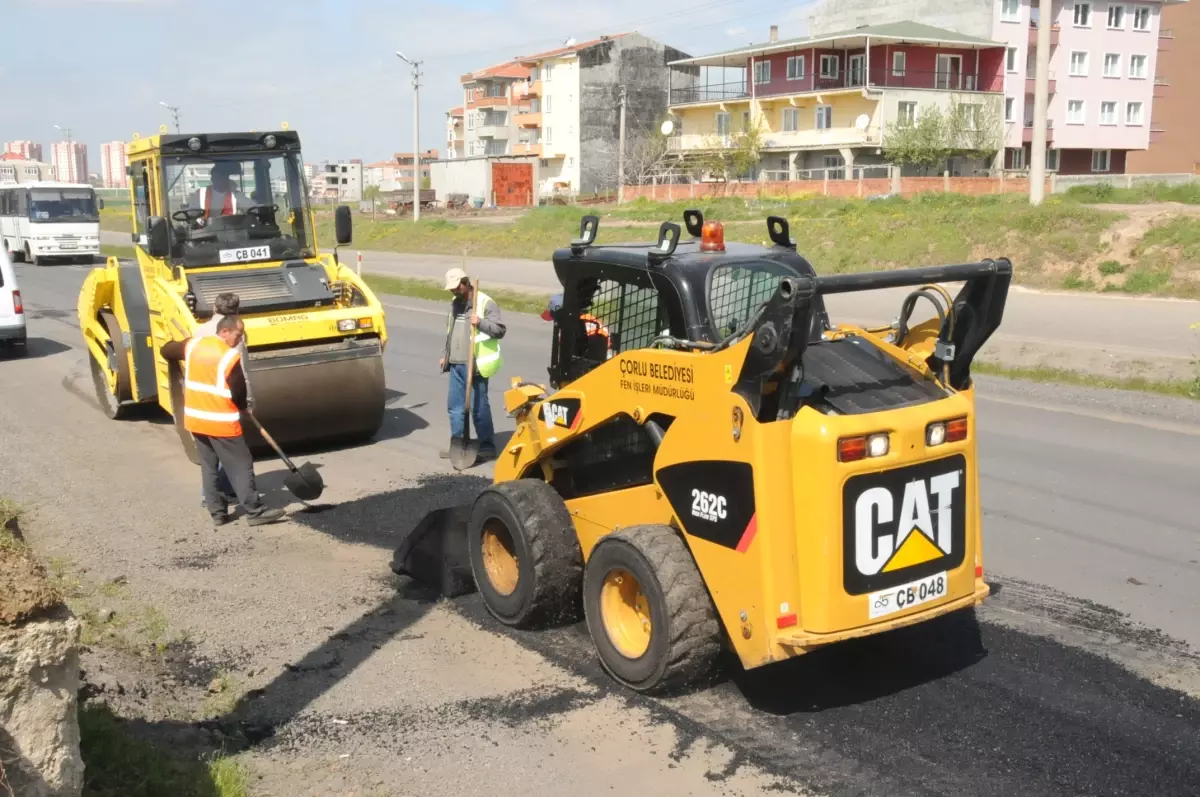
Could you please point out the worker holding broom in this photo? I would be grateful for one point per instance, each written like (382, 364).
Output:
(482, 313)
(214, 396)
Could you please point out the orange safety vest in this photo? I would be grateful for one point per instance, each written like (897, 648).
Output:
(593, 326)
(208, 407)
(228, 207)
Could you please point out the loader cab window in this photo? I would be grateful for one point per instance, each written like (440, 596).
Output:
(604, 317)
(736, 291)
(140, 181)
(252, 206)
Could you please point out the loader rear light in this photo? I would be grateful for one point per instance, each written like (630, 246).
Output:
(946, 432)
(18, 306)
(712, 237)
(851, 449)
(365, 323)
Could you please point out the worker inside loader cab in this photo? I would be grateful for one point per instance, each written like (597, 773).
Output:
(222, 197)
(597, 340)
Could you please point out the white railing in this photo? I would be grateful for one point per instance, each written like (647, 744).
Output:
(830, 137)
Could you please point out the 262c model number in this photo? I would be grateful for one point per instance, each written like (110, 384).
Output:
(708, 506)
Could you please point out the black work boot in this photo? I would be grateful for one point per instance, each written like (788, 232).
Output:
(263, 516)
(220, 519)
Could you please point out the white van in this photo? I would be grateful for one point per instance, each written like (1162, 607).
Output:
(12, 312)
(45, 221)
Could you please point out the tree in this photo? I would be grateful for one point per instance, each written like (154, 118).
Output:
(962, 128)
(371, 192)
(727, 158)
(646, 157)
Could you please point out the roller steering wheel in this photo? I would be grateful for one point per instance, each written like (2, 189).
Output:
(188, 214)
(259, 212)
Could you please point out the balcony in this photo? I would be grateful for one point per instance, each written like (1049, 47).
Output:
(481, 102)
(492, 131)
(1031, 84)
(1027, 135)
(529, 119)
(878, 77)
(799, 139)
(527, 90)
(1033, 35)
(527, 148)
(1157, 132)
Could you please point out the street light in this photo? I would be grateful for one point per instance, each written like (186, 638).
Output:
(416, 81)
(174, 112)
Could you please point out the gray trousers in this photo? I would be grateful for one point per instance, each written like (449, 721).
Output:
(238, 463)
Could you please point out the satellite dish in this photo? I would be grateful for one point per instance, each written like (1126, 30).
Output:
(570, 42)
(667, 128)
(862, 121)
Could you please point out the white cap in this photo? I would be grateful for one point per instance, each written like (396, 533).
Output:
(453, 277)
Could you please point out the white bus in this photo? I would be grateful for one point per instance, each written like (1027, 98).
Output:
(44, 221)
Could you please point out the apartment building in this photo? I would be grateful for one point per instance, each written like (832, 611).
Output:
(69, 161)
(16, 168)
(26, 149)
(340, 181)
(573, 121)
(403, 162)
(825, 103)
(1174, 146)
(490, 107)
(113, 162)
(455, 133)
(1103, 60)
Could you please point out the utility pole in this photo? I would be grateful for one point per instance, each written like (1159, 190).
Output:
(416, 82)
(1041, 92)
(174, 112)
(621, 153)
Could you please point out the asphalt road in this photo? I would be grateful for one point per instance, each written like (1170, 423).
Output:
(1099, 333)
(1065, 685)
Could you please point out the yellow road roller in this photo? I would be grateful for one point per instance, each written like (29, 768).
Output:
(229, 212)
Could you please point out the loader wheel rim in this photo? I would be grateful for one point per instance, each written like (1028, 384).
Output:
(625, 610)
(500, 558)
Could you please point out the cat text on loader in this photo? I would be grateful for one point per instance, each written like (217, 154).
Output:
(229, 212)
(716, 465)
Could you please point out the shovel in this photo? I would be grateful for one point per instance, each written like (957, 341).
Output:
(304, 482)
(463, 450)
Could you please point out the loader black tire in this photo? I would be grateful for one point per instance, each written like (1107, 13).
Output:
(525, 555)
(684, 647)
(112, 404)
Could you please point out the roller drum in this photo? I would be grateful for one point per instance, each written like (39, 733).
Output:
(317, 394)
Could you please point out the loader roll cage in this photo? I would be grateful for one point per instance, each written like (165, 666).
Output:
(671, 293)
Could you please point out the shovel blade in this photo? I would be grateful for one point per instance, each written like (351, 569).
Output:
(305, 482)
(435, 554)
(463, 453)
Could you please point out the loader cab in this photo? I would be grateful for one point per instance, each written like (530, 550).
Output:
(692, 293)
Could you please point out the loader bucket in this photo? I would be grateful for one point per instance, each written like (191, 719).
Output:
(435, 554)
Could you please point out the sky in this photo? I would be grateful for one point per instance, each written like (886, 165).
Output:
(328, 68)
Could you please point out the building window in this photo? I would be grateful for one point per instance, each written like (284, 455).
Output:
(795, 67)
(1133, 113)
(791, 120)
(1141, 18)
(830, 65)
(546, 108)
(724, 125)
(971, 113)
(1116, 17)
(1079, 63)
(1137, 66)
(1018, 158)
(1108, 113)
(1011, 63)
(1075, 112)
(1051, 164)
(546, 71)
(547, 137)
(1112, 65)
(1010, 10)
(899, 62)
(824, 117)
(762, 72)
(906, 113)
(1009, 107)
(1100, 160)
(1083, 15)
(746, 121)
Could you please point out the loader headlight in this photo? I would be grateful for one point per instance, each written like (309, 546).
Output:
(877, 445)
(951, 431)
(851, 449)
(935, 434)
(269, 141)
(194, 144)
(347, 325)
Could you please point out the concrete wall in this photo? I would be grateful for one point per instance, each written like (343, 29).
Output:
(972, 17)
(1063, 183)
(639, 64)
(470, 176)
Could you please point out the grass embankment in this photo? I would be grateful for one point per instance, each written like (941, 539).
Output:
(1189, 389)
(1187, 193)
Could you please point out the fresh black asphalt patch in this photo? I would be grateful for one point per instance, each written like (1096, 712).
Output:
(951, 707)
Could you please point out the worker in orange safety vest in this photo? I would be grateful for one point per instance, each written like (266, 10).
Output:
(593, 327)
(214, 395)
(222, 197)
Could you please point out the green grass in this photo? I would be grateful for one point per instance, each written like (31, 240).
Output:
(509, 301)
(116, 219)
(1178, 388)
(119, 764)
(108, 250)
(1188, 193)
(1110, 267)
